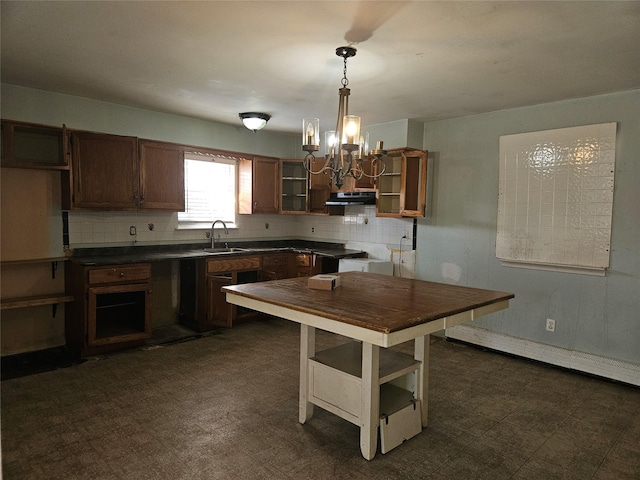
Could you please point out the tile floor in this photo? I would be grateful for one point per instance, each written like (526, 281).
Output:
(225, 407)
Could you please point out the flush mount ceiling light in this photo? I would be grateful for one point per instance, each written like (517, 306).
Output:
(254, 120)
(345, 147)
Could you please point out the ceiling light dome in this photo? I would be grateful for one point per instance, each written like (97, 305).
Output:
(255, 120)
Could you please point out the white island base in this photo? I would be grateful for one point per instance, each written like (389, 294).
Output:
(367, 386)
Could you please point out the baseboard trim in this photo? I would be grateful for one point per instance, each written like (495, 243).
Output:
(584, 362)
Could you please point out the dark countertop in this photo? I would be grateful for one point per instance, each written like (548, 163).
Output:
(155, 253)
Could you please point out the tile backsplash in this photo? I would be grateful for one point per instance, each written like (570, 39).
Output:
(359, 228)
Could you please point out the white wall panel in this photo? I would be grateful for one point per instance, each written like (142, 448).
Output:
(555, 197)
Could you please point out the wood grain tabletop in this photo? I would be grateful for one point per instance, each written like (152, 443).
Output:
(378, 302)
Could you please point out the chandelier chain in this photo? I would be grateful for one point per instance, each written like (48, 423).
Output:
(345, 80)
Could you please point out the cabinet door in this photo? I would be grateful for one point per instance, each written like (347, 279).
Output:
(278, 266)
(319, 188)
(161, 176)
(366, 183)
(265, 185)
(219, 312)
(308, 264)
(118, 314)
(104, 171)
(26, 145)
(258, 185)
(414, 184)
(402, 188)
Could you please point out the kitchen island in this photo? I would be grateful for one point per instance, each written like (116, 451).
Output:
(378, 311)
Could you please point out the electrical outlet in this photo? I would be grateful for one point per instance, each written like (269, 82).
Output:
(551, 325)
(132, 230)
(313, 229)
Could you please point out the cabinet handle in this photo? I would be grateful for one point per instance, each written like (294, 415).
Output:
(121, 274)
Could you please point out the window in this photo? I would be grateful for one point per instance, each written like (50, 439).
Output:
(210, 189)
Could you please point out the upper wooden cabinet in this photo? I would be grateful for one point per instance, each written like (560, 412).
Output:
(27, 145)
(319, 188)
(104, 172)
(294, 188)
(109, 173)
(258, 185)
(161, 176)
(364, 182)
(402, 188)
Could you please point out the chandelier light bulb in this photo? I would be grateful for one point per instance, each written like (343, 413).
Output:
(311, 134)
(329, 142)
(351, 126)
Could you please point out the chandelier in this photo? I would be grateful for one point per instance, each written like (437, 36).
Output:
(345, 147)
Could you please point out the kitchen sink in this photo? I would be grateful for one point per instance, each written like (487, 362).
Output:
(225, 250)
(245, 249)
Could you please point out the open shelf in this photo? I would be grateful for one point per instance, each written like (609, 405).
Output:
(347, 358)
(34, 301)
(293, 187)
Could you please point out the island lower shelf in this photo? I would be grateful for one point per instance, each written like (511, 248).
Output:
(335, 379)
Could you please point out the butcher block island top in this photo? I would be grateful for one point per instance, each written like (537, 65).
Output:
(379, 307)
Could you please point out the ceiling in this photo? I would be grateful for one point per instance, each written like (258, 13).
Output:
(417, 60)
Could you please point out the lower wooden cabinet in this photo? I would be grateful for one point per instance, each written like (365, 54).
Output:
(111, 308)
(203, 306)
(219, 313)
(277, 266)
(308, 264)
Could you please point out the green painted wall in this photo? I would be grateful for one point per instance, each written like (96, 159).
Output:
(596, 315)
(49, 108)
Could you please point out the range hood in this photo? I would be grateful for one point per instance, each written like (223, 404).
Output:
(351, 198)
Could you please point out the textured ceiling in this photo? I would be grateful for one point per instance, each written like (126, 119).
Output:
(416, 60)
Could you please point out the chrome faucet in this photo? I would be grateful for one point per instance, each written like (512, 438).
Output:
(213, 238)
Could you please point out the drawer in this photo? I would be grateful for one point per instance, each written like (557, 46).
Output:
(237, 264)
(303, 260)
(275, 260)
(120, 274)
